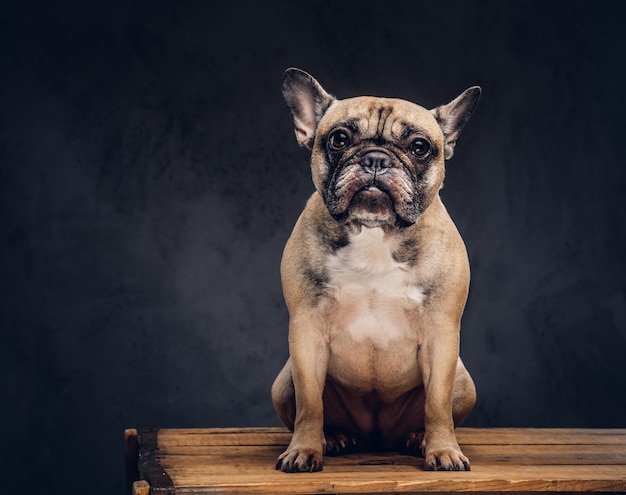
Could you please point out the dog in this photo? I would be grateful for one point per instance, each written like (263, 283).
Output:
(375, 277)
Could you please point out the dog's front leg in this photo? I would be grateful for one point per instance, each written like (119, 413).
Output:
(438, 360)
(309, 354)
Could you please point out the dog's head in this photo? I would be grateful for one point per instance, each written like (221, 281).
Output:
(376, 162)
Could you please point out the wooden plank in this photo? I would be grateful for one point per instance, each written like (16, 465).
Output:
(227, 436)
(131, 457)
(467, 436)
(540, 436)
(495, 453)
(484, 479)
(355, 475)
(234, 461)
(366, 463)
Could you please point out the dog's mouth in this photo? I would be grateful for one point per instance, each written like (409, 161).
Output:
(372, 198)
(372, 201)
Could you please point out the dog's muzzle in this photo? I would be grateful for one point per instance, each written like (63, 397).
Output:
(372, 187)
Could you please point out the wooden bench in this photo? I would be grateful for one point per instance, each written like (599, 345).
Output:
(229, 461)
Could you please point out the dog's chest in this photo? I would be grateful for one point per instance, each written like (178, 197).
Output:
(375, 297)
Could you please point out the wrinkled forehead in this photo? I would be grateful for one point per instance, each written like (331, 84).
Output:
(381, 117)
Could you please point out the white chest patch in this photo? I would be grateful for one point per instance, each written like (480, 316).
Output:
(374, 294)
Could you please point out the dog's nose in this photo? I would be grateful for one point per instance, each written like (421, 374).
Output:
(375, 162)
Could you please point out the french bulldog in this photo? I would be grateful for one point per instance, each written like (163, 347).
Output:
(375, 277)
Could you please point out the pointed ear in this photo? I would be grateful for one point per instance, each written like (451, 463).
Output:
(453, 117)
(307, 101)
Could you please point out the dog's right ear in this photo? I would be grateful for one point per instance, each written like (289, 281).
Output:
(307, 101)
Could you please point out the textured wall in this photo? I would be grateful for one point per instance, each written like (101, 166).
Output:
(149, 178)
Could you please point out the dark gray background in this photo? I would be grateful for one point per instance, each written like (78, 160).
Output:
(150, 177)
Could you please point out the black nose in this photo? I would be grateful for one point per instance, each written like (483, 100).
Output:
(375, 162)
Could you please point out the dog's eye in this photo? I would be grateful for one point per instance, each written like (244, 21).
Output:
(338, 140)
(419, 148)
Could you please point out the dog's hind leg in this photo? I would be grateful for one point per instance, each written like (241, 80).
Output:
(284, 396)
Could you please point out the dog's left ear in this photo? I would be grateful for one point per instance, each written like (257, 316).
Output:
(307, 101)
(453, 117)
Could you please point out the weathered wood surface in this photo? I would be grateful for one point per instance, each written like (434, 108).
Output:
(141, 487)
(236, 461)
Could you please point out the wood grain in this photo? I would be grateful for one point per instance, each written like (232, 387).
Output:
(235, 461)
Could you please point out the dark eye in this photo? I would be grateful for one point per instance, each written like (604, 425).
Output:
(419, 148)
(338, 140)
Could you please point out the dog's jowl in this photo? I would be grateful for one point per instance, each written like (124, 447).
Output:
(375, 276)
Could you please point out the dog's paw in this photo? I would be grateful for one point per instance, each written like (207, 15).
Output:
(300, 460)
(338, 443)
(445, 459)
(414, 442)
(438, 456)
